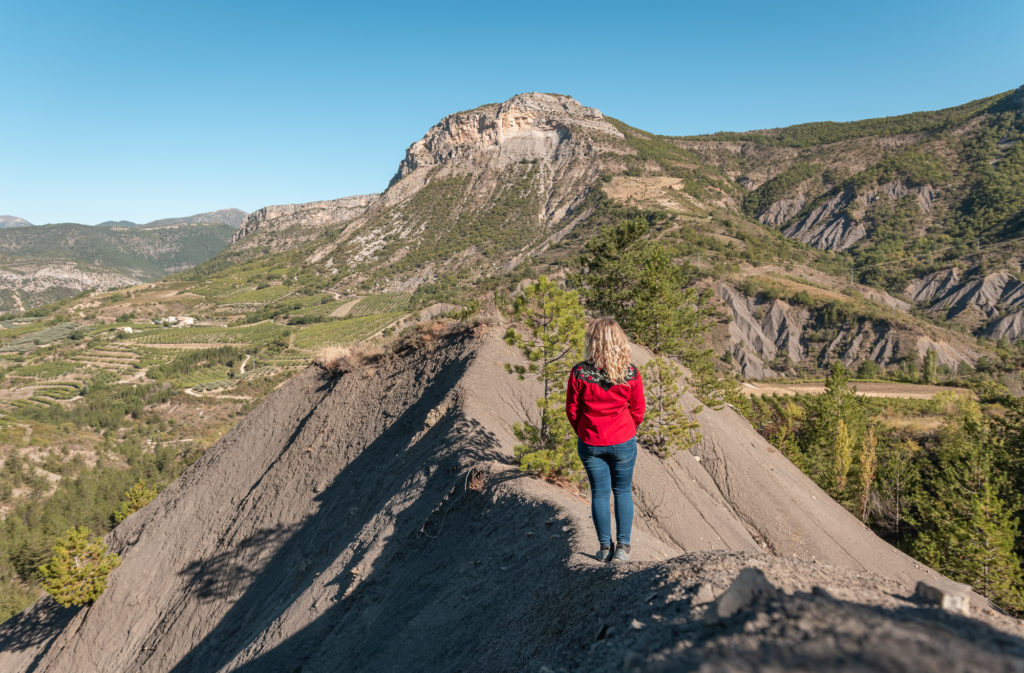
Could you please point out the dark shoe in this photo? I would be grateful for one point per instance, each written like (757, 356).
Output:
(621, 553)
(604, 554)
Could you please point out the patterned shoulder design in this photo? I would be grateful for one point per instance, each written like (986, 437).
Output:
(586, 371)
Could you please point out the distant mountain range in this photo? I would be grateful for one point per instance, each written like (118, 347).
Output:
(230, 216)
(8, 221)
(44, 263)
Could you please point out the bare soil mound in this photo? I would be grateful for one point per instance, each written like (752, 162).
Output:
(376, 522)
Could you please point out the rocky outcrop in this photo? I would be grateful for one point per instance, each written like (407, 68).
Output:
(756, 342)
(1008, 327)
(992, 303)
(948, 354)
(7, 221)
(884, 298)
(527, 127)
(780, 212)
(556, 133)
(283, 226)
(828, 226)
(522, 165)
(838, 223)
(771, 337)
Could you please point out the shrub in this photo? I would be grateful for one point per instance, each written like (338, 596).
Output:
(337, 360)
(76, 573)
(135, 498)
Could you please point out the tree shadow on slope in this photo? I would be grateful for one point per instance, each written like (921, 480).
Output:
(35, 627)
(224, 574)
(410, 470)
(457, 572)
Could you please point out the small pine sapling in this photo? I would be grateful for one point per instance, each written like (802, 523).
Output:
(666, 428)
(76, 573)
(553, 342)
(135, 498)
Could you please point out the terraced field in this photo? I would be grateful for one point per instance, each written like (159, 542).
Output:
(395, 302)
(249, 334)
(26, 338)
(343, 331)
(260, 296)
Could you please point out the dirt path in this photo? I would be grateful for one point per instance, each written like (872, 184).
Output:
(136, 377)
(911, 391)
(241, 368)
(195, 346)
(213, 394)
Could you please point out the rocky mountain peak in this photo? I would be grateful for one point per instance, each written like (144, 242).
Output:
(8, 221)
(526, 127)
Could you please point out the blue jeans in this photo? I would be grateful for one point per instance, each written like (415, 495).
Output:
(610, 470)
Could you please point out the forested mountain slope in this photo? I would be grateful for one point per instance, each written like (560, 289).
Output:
(41, 264)
(919, 203)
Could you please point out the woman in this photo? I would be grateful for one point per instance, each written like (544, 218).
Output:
(605, 404)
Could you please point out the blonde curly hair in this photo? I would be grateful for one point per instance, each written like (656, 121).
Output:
(607, 348)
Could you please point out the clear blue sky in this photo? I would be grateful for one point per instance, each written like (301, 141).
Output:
(142, 110)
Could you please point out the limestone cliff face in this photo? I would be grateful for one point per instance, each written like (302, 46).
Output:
(268, 225)
(527, 127)
(483, 188)
(556, 134)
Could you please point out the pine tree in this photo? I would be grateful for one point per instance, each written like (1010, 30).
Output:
(867, 471)
(897, 482)
(639, 281)
(553, 343)
(666, 428)
(76, 572)
(842, 456)
(930, 367)
(836, 427)
(966, 528)
(135, 498)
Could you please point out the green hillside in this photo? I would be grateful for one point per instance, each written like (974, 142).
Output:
(144, 252)
(930, 189)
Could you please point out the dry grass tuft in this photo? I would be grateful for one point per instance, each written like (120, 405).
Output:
(424, 334)
(337, 360)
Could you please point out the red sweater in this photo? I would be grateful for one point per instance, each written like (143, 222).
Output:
(602, 412)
